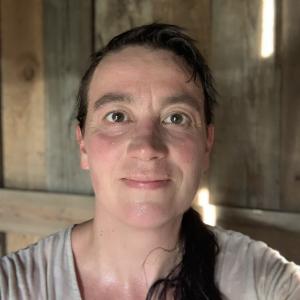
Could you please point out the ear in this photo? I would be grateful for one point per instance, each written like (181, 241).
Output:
(83, 154)
(210, 136)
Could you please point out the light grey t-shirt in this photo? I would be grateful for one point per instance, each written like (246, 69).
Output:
(246, 269)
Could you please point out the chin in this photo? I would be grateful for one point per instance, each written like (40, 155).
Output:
(150, 216)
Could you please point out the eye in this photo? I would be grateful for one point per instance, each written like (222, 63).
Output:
(116, 117)
(177, 119)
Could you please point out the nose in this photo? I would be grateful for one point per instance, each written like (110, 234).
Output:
(147, 143)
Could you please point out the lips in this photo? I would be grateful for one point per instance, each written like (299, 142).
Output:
(146, 183)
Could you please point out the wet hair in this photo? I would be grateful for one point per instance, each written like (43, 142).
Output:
(156, 36)
(194, 277)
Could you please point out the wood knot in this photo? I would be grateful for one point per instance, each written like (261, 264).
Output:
(28, 73)
(29, 66)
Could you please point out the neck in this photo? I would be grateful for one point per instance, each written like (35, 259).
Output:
(131, 252)
(128, 255)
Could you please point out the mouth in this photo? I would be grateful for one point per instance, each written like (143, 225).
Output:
(151, 184)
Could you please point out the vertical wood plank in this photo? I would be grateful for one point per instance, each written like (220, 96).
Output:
(2, 234)
(290, 106)
(116, 16)
(1, 141)
(22, 98)
(67, 46)
(245, 162)
(194, 15)
(22, 94)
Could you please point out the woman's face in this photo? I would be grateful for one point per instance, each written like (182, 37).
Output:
(145, 142)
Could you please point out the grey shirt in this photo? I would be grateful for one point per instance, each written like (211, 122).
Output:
(246, 269)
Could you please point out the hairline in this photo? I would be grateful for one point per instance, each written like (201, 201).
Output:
(181, 61)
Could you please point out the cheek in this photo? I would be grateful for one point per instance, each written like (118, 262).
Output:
(188, 151)
(189, 155)
(103, 154)
(102, 149)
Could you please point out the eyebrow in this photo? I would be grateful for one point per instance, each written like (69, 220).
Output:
(185, 99)
(119, 97)
(111, 98)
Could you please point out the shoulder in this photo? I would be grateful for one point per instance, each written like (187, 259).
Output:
(38, 253)
(254, 269)
(29, 269)
(235, 242)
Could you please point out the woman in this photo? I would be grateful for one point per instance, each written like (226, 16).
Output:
(145, 132)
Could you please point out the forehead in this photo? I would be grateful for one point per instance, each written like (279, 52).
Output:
(139, 70)
(142, 55)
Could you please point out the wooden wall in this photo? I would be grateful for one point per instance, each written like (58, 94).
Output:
(68, 42)
(23, 110)
(290, 106)
(246, 158)
(256, 162)
(256, 159)
(44, 50)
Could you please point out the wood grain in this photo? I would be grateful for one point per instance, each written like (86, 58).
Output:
(23, 110)
(194, 15)
(1, 141)
(116, 16)
(16, 241)
(23, 94)
(67, 45)
(290, 106)
(42, 213)
(245, 162)
(2, 234)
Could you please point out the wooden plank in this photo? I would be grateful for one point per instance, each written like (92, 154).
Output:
(41, 213)
(116, 16)
(194, 15)
(1, 142)
(28, 216)
(285, 221)
(67, 45)
(2, 244)
(245, 161)
(290, 106)
(22, 94)
(16, 241)
(2, 234)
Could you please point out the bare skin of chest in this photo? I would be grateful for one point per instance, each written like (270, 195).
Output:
(92, 290)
